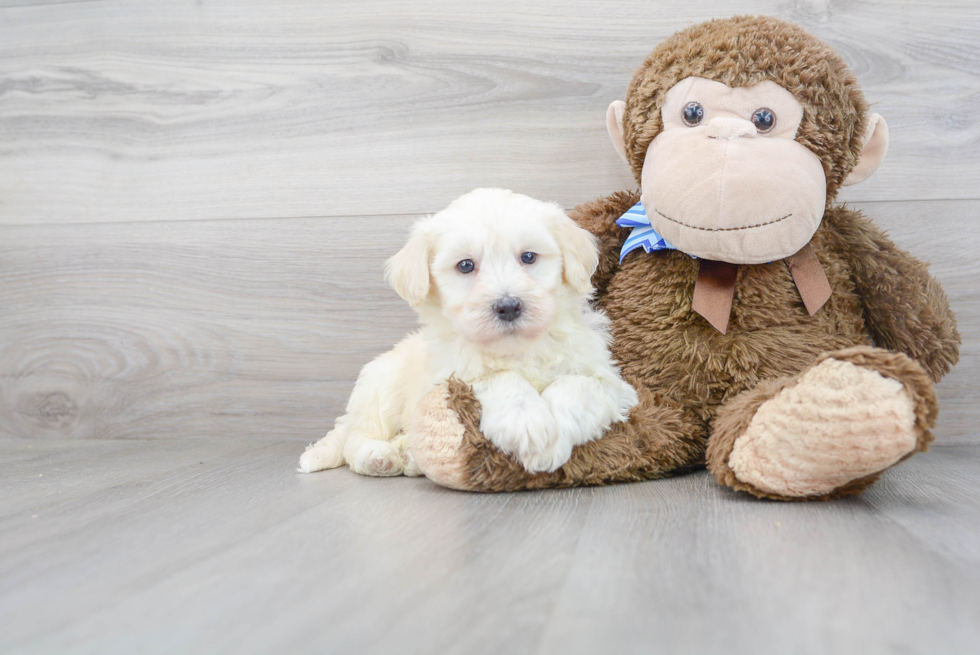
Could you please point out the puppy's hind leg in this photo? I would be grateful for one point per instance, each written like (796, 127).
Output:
(367, 456)
(378, 458)
(362, 437)
(327, 453)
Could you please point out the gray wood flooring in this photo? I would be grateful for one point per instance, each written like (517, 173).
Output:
(218, 546)
(196, 199)
(116, 110)
(257, 328)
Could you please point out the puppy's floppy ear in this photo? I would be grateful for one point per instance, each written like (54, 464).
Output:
(579, 253)
(408, 271)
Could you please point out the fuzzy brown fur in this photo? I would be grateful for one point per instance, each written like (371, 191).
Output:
(657, 441)
(746, 50)
(693, 381)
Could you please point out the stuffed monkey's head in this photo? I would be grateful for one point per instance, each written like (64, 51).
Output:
(740, 131)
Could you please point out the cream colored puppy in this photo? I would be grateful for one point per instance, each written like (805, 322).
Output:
(501, 283)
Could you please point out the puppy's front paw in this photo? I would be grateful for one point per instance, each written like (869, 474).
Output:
(526, 429)
(577, 422)
(377, 458)
(626, 399)
(550, 459)
(584, 407)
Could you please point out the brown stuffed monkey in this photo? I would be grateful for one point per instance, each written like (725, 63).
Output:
(781, 340)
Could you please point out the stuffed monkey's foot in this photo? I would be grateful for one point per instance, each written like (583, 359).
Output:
(839, 423)
(830, 431)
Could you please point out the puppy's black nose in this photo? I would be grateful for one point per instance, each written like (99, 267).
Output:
(507, 308)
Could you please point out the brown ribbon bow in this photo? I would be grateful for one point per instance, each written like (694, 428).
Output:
(715, 286)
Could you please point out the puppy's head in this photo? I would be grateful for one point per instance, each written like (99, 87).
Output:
(496, 265)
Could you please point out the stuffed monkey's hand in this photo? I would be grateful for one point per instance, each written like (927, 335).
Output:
(518, 421)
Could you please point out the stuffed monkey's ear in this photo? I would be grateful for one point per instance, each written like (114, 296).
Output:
(614, 124)
(408, 271)
(579, 253)
(875, 147)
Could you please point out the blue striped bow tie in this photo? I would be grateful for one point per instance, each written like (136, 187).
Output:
(714, 288)
(643, 234)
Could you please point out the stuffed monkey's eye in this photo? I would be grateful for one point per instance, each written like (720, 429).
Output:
(528, 258)
(693, 113)
(763, 119)
(466, 266)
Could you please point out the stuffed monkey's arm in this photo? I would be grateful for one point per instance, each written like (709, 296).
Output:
(905, 308)
(599, 218)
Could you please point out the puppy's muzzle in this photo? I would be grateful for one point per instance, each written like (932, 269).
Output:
(508, 309)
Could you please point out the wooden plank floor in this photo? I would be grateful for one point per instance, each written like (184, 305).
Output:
(257, 328)
(196, 199)
(218, 546)
(114, 110)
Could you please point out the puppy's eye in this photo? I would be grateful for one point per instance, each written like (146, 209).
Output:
(466, 266)
(692, 114)
(528, 258)
(763, 119)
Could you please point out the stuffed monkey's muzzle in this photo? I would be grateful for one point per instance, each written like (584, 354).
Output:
(722, 191)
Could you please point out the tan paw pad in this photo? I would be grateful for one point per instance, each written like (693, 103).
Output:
(839, 423)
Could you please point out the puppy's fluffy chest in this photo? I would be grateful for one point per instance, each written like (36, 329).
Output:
(482, 367)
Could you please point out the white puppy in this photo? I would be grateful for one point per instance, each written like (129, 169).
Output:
(501, 283)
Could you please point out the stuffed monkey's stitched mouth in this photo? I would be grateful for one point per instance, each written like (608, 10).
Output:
(722, 229)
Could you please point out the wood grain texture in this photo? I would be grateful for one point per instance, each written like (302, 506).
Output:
(196, 199)
(233, 328)
(778, 578)
(158, 110)
(216, 546)
(257, 328)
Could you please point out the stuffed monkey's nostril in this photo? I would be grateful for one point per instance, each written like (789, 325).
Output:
(508, 308)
